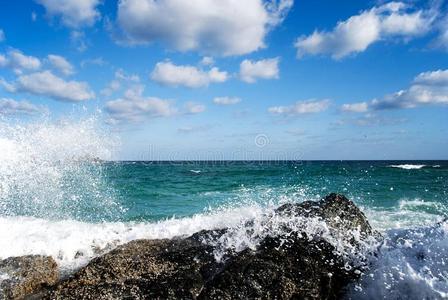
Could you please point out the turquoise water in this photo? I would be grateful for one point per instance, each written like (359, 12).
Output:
(158, 190)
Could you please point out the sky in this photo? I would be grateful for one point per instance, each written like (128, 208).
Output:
(230, 79)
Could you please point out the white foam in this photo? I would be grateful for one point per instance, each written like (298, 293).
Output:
(408, 166)
(408, 213)
(47, 169)
(411, 264)
(65, 240)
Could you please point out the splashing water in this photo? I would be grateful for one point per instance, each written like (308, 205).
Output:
(58, 198)
(51, 170)
(411, 264)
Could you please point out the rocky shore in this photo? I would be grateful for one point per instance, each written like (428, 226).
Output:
(311, 250)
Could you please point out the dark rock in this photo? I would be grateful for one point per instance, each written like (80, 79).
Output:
(155, 269)
(297, 266)
(26, 275)
(288, 262)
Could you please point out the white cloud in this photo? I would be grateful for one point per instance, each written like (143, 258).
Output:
(13, 107)
(61, 64)
(439, 77)
(356, 34)
(224, 27)
(194, 108)
(73, 13)
(250, 70)
(3, 61)
(49, 85)
(78, 39)
(428, 88)
(2, 35)
(191, 129)
(98, 61)
(442, 39)
(9, 87)
(301, 107)
(134, 107)
(355, 107)
(19, 62)
(207, 61)
(120, 77)
(113, 86)
(167, 73)
(226, 100)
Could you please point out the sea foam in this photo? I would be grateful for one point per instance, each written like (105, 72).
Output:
(411, 264)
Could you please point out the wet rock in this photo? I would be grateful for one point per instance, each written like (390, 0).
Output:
(25, 275)
(291, 264)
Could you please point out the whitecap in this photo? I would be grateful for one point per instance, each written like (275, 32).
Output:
(408, 166)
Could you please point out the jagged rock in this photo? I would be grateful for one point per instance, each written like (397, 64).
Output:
(25, 275)
(337, 211)
(287, 265)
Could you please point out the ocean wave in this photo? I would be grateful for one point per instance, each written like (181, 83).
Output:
(411, 264)
(407, 213)
(397, 265)
(73, 243)
(408, 166)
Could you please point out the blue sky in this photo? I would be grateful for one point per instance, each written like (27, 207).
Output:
(231, 79)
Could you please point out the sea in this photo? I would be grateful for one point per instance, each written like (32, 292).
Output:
(63, 194)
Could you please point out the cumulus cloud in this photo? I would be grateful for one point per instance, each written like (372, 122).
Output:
(356, 34)
(427, 88)
(224, 27)
(19, 62)
(134, 107)
(167, 73)
(301, 107)
(226, 100)
(61, 64)
(2, 35)
(49, 85)
(355, 107)
(194, 108)
(13, 107)
(250, 70)
(73, 13)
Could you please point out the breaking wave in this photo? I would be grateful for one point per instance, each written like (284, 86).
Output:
(408, 167)
(53, 170)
